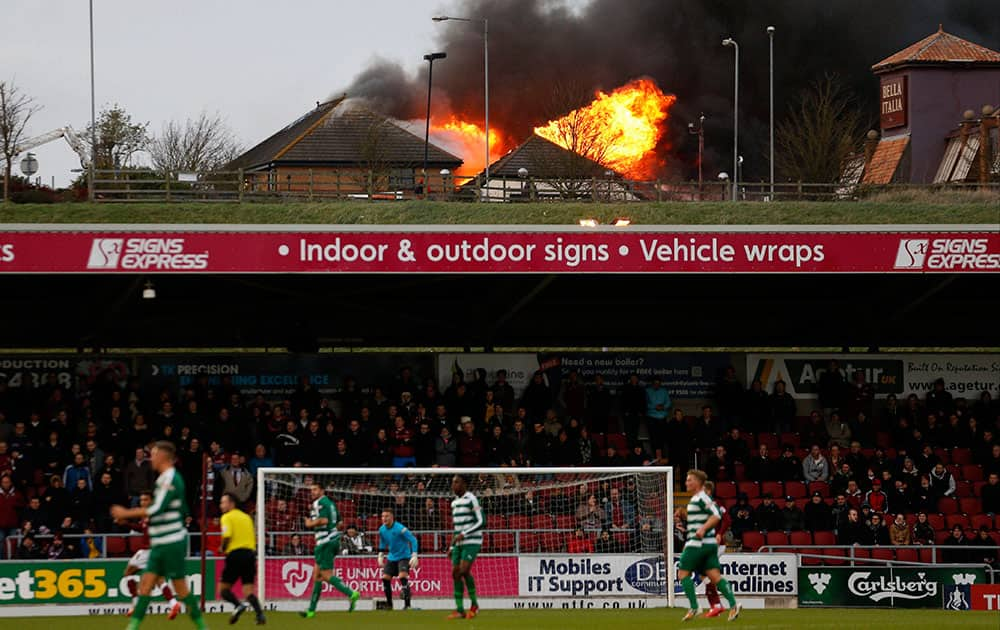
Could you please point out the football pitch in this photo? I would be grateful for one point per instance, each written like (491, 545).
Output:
(557, 620)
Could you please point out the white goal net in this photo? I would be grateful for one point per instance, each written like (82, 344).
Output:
(553, 537)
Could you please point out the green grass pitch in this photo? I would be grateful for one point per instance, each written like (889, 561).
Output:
(557, 620)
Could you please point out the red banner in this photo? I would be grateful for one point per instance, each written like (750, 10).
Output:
(255, 249)
(292, 578)
(985, 597)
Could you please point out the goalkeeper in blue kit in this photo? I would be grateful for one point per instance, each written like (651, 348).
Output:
(402, 547)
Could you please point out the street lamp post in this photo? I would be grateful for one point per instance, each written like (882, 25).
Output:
(700, 132)
(93, 112)
(486, 75)
(770, 35)
(736, 116)
(430, 59)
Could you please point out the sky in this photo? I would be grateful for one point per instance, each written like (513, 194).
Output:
(259, 63)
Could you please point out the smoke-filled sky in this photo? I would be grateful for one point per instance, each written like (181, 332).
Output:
(262, 63)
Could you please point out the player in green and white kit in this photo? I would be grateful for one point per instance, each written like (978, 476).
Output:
(325, 521)
(167, 536)
(469, 521)
(701, 551)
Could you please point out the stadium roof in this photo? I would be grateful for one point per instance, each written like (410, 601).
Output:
(335, 133)
(940, 49)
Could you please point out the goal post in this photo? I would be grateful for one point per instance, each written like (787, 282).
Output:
(554, 537)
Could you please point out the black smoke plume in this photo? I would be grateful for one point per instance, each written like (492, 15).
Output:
(535, 44)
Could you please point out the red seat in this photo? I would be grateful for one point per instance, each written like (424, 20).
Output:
(947, 505)
(907, 554)
(835, 552)
(883, 440)
(725, 490)
(824, 538)
(619, 441)
(528, 542)
(496, 521)
(936, 521)
(136, 543)
(790, 438)
(755, 503)
(970, 505)
(425, 543)
(926, 555)
(750, 488)
(501, 543)
(752, 541)
(624, 539)
(519, 521)
(774, 488)
(982, 520)
(117, 547)
(541, 521)
(796, 489)
(940, 537)
(372, 523)
(770, 439)
(971, 472)
(883, 553)
(821, 487)
(961, 456)
(801, 539)
(566, 522)
(963, 489)
(977, 488)
(739, 472)
(776, 539)
(347, 510)
(552, 542)
(860, 555)
(961, 520)
(942, 455)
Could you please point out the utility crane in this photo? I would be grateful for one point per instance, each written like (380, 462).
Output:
(66, 132)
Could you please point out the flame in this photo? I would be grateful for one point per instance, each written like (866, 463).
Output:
(467, 140)
(621, 130)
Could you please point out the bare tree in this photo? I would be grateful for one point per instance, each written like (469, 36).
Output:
(374, 159)
(16, 109)
(583, 134)
(202, 144)
(822, 128)
(118, 139)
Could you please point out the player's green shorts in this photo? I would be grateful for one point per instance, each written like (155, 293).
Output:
(167, 561)
(467, 553)
(326, 554)
(699, 559)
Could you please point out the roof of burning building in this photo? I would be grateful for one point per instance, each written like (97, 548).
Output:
(941, 48)
(545, 159)
(343, 132)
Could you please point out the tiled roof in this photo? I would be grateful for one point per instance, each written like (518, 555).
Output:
(885, 161)
(545, 159)
(342, 133)
(940, 48)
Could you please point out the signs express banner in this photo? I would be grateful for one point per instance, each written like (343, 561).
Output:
(224, 249)
(965, 375)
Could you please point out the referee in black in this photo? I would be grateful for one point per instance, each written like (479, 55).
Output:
(239, 544)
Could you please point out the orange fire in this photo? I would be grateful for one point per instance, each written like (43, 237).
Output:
(467, 141)
(621, 130)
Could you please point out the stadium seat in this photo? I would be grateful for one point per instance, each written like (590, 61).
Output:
(821, 487)
(942, 455)
(135, 543)
(348, 511)
(982, 520)
(600, 440)
(970, 505)
(824, 538)
(801, 539)
(519, 521)
(807, 558)
(926, 555)
(834, 552)
(963, 489)
(971, 472)
(940, 537)
(790, 438)
(956, 471)
(961, 520)
(725, 490)
(553, 542)
(752, 541)
(501, 543)
(977, 488)
(619, 441)
(528, 542)
(883, 439)
(883, 553)
(426, 542)
(624, 539)
(117, 547)
(372, 523)
(907, 554)
(796, 489)
(566, 521)
(861, 555)
(961, 456)
(776, 539)
(755, 503)
(541, 521)
(496, 521)
(771, 440)
(936, 521)
(947, 505)
(750, 488)
(739, 472)
(774, 488)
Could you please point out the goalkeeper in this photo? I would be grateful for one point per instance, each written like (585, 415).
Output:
(402, 547)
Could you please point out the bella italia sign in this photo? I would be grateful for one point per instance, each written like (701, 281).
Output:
(881, 588)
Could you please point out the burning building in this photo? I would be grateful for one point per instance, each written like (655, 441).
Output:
(938, 114)
(341, 148)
